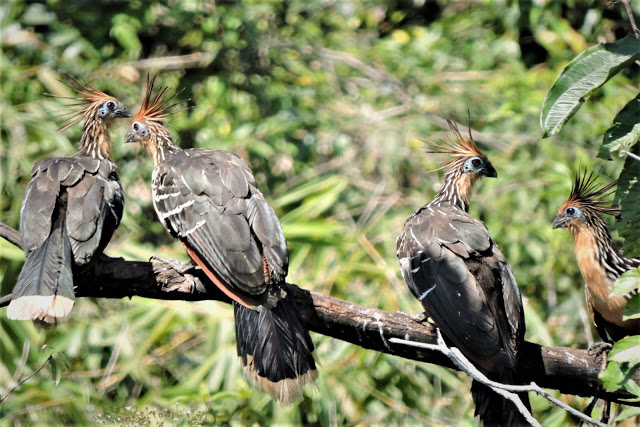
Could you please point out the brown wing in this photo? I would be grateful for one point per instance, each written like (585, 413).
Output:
(464, 283)
(209, 200)
(87, 189)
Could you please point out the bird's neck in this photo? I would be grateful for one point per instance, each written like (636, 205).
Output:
(95, 141)
(594, 248)
(456, 189)
(160, 145)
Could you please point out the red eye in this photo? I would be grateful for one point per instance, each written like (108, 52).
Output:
(111, 105)
(476, 162)
(570, 211)
(136, 127)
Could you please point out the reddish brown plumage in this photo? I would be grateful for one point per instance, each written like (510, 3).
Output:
(598, 260)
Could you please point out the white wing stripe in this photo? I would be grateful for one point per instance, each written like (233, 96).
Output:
(178, 209)
(159, 197)
(198, 225)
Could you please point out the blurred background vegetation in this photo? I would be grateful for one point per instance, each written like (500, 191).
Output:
(328, 101)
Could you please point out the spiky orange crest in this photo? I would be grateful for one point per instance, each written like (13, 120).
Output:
(459, 149)
(88, 100)
(588, 194)
(155, 107)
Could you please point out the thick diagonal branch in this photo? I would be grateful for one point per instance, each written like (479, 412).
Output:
(568, 370)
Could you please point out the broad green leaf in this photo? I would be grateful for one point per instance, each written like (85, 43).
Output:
(628, 197)
(632, 309)
(623, 359)
(627, 350)
(627, 412)
(633, 388)
(626, 283)
(612, 378)
(586, 73)
(625, 130)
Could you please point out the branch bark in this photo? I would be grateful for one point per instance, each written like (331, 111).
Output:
(568, 370)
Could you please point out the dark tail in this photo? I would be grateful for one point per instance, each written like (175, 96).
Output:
(495, 410)
(275, 349)
(44, 290)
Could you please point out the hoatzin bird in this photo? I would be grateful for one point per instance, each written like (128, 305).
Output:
(209, 200)
(71, 207)
(599, 261)
(463, 281)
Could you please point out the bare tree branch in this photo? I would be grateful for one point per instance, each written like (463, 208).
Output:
(507, 390)
(632, 20)
(569, 370)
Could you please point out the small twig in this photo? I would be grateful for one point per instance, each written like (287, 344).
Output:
(10, 235)
(464, 365)
(506, 390)
(27, 378)
(628, 154)
(180, 62)
(632, 21)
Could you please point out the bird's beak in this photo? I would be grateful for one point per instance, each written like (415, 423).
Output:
(489, 171)
(130, 137)
(560, 222)
(122, 112)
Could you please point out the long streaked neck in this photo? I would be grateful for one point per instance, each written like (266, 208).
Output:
(161, 145)
(594, 236)
(95, 141)
(456, 189)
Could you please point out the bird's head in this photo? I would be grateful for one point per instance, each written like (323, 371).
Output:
(466, 158)
(91, 105)
(147, 126)
(585, 203)
(466, 165)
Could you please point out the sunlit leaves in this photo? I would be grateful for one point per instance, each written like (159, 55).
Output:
(628, 196)
(624, 359)
(586, 73)
(625, 130)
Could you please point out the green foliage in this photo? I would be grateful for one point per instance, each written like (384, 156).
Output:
(586, 73)
(628, 197)
(328, 102)
(624, 360)
(625, 130)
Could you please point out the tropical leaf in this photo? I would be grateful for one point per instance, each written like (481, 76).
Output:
(625, 130)
(586, 73)
(628, 197)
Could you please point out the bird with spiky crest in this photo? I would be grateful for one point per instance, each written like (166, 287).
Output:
(208, 199)
(598, 259)
(70, 210)
(465, 284)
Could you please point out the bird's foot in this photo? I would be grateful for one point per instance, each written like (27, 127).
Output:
(600, 348)
(180, 267)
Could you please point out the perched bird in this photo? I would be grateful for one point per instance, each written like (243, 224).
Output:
(463, 281)
(599, 261)
(209, 200)
(71, 207)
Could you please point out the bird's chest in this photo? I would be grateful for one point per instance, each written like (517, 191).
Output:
(598, 284)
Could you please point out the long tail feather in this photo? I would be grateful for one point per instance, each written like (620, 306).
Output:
(275, 349)
(44, 290)
(495, 410)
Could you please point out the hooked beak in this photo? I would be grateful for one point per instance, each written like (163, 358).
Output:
(130, 137)
(560, 221)
(489, 171)
(122, 112)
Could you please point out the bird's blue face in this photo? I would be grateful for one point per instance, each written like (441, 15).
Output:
(567, 215)
(113, 109)
(137, 132)
(480, 166)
